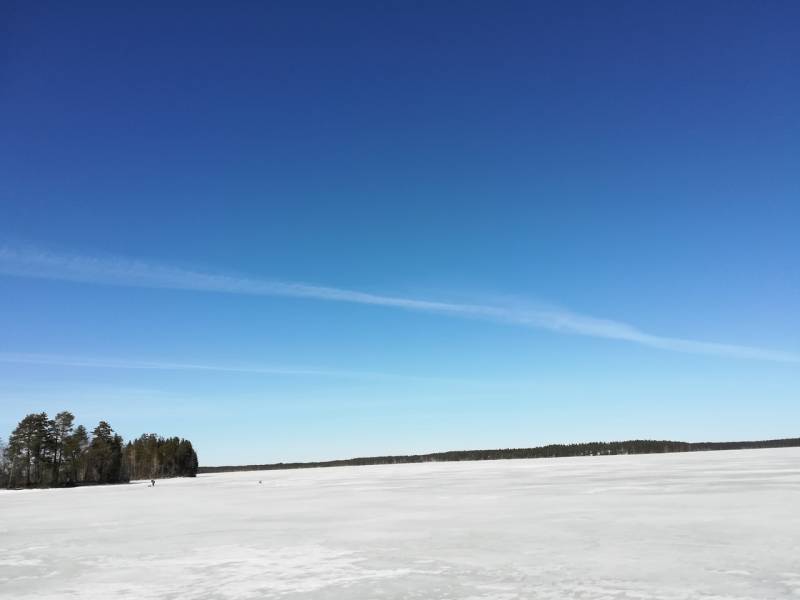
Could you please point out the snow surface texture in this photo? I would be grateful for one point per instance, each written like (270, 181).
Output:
(706, 525)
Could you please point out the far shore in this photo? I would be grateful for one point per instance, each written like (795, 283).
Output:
(549, 451)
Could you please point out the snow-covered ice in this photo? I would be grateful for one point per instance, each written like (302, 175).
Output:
(706, 525)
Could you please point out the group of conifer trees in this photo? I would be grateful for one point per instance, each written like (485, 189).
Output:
(44, 452)
(152, 456)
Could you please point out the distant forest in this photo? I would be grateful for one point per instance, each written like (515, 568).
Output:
(551, 451)
(44, 452)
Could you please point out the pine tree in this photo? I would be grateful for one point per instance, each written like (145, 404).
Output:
(60, 431)
(100, 452)
(4, 474)
(27, 448)
(75, 447)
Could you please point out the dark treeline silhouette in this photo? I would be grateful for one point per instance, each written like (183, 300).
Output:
(44, 452)
(551, 451)
(152, 456)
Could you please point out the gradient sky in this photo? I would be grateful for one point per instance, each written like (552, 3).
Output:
(312, 230)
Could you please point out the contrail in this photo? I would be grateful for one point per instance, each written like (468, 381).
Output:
(37, 263)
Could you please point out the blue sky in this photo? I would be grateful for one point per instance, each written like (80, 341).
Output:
(296, 231)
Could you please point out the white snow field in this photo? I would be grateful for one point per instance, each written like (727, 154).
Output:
(706, 525)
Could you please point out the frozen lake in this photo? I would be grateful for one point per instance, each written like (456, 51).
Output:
(710, 525)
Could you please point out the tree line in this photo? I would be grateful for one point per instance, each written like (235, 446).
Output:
(550, 451)
(45, 452)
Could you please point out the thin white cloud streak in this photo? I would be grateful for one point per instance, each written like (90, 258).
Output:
(89, 362)
(37, 263)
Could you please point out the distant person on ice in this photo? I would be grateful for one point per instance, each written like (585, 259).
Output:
(152, 483)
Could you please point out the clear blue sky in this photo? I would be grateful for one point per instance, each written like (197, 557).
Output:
(299, 230)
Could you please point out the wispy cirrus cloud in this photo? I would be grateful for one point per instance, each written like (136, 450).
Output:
(24, 261)
(304, 372)
(91, 362)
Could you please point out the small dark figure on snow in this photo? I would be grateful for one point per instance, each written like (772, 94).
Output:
(152, 483)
